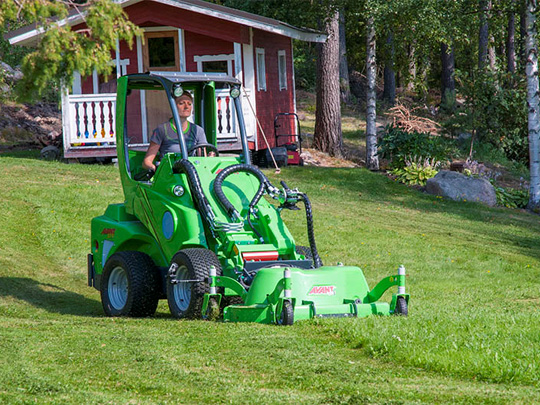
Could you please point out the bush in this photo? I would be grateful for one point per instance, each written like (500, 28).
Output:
(511, 197)
(496, 108)
(398, 146)
(416, 172)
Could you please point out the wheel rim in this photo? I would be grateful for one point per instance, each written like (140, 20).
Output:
(118, 288)
(182, 291)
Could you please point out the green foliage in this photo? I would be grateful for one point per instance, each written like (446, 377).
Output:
(511, 197)
(415, 172)
(398, 145)
(496, 109)
(61, 51)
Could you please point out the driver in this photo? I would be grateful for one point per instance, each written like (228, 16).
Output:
(164, 139)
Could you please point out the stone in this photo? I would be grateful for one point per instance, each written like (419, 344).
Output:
(459, 187)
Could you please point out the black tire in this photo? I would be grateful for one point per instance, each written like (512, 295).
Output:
(186, 299)
(130, 285)
(304, 250)
(286, 317)
(401, 307)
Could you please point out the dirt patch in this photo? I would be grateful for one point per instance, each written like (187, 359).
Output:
(29, 126)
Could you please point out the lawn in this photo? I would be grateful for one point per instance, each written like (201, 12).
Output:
(472, 335)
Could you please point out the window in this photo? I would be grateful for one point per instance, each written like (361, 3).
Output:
(216, 66)
(160, 51)
(282, 70)
(261, 70)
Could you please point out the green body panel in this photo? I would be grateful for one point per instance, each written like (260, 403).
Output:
(117, 230)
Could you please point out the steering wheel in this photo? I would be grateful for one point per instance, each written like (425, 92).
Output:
(204, 145)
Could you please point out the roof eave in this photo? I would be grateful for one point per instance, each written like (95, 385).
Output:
(31, 37)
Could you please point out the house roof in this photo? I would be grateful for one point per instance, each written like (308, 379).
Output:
(28, 35)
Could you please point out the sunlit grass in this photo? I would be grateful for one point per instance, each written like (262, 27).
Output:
(472, 335)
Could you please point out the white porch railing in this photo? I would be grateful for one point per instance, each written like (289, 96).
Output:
(89, 119)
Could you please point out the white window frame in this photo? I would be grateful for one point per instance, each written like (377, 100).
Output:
(282, 77)
(261, 70)
(229, 58)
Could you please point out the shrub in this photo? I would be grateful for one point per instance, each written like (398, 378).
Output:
(416, 172)
(398, 146)
(496, 108)
(511, 197)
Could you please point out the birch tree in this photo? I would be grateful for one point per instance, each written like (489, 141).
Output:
(372, 159)
(531, 69)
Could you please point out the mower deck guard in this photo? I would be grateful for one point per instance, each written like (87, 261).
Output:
(328, 291)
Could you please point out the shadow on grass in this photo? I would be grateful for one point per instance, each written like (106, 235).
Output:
(27, 153)
(49, 297)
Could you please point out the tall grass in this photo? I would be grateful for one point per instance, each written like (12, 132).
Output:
(472, 334)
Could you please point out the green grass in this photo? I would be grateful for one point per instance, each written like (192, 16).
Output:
(472, 334)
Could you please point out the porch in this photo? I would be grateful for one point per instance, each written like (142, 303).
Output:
(89, 124)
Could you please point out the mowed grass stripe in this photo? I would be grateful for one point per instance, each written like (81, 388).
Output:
(472, 334)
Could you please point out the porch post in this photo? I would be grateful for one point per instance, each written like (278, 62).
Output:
(182, 50)
(140, 68)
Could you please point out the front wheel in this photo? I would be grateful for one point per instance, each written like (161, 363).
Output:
(287, 314)
(130, 285)
(188, 281)
(401, 307)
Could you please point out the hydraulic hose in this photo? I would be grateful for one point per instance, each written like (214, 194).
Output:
(186, 167)
(311, 234)
(218, 186)
(264, 183)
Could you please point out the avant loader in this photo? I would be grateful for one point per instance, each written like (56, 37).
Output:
(205, 232)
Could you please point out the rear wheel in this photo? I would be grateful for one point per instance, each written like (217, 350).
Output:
(401, 306)
(130, 285)
(188, 284)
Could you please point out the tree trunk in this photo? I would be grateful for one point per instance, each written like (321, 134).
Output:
(510, 42)
(483, 36)
(522, 32)
(448, 84)
(372, 160)
(389, 93)
(328, 137)
(344, 85)
(412, 68)
(533, 106)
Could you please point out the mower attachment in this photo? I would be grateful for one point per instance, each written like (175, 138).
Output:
(284, 295)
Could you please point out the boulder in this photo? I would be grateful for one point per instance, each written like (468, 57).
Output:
(10, 73)
(459, 187)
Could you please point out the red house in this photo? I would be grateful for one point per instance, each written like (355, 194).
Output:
(185, 36)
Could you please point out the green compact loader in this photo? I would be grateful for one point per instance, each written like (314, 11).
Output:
(198, 231)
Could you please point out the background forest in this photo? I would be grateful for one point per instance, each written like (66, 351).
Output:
(457, 68)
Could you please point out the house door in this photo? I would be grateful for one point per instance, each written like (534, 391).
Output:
(160, 53)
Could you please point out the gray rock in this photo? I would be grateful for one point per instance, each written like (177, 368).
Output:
(459, 187)
(9, 72)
